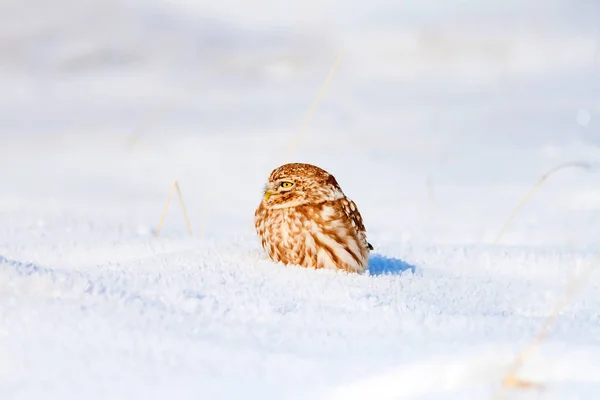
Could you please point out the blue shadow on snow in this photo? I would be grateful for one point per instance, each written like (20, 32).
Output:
(381, 265)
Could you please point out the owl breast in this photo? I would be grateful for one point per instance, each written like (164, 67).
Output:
(325, 235)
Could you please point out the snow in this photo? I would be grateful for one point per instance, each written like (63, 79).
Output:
(440, 118)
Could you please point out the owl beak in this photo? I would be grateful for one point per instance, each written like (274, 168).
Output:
(268, 191)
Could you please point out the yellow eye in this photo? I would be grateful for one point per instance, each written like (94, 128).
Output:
(286, 185)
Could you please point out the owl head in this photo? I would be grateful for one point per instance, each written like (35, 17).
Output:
(296, 184)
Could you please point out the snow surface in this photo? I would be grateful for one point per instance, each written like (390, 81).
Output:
(440, 118)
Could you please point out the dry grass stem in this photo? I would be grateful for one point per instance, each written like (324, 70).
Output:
(134, 139)
(314, 105)
(174, 187)
(535, 187)
(185, 216)
(513, 382)
(510, 380)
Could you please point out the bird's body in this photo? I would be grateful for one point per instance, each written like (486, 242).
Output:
(305, 219)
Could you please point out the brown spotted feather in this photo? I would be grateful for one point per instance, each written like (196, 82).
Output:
(313, 224)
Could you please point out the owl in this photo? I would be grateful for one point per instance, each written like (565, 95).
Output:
(305, 219)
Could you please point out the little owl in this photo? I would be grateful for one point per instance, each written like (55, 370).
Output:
(305, 219)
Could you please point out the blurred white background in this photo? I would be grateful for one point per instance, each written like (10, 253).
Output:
(428, 93)
(88, 64)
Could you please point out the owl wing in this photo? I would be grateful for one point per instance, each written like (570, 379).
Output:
(349, 208)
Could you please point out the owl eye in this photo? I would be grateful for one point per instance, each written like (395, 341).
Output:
(286, 185)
